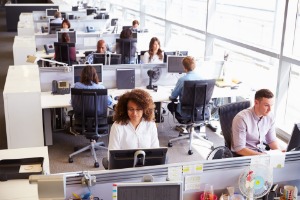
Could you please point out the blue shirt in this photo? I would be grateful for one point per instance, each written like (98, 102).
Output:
(80, 85)
(178, 90)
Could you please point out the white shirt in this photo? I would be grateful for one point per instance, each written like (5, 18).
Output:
(127, 137)
(155, 59)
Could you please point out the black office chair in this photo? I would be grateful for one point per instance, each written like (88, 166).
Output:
(127, 49)
(63, 52)
(226, 114)
(195, 105)
(90, 111)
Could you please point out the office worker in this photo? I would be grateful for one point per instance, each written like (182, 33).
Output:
(65, 24)
(189, 66)
(134, 125)
(89, 80)
(154, 54)
(72, 50)
(101, 48)
(254, 126)
(57, 18)
(135, 26)
(127, 34)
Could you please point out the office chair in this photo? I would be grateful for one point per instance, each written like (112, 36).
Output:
(63, 52)
(90, 111)
(226, 114)
(127, 49)
(194, 105)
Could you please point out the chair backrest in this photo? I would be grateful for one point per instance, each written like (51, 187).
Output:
(195, 98)
(226, 114)
(63, 52)
(90, 106)
(127, 49)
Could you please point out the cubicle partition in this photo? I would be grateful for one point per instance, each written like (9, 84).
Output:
(220, 173)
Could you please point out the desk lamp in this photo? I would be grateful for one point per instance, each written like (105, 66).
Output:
(154, 75)
(34, 59)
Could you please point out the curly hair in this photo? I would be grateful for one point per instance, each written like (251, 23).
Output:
(141, 98)
(88, 75)
(159, 51)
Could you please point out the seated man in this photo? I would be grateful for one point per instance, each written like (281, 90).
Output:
(253, 127)
(101, 48)
(57, 18)
(189, 66)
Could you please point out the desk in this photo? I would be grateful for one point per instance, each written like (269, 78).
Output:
(49, 101)
(42, 54)
(21, 189)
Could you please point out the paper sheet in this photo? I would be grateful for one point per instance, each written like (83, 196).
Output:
(277, 158)
(192, 182)
(30, 168)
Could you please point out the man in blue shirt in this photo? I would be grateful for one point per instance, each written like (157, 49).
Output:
(189, 66)
(101, 48)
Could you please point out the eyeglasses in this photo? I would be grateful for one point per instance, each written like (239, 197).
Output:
(134, 110)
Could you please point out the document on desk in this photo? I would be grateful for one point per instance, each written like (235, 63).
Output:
(192, 182)
(30, 168)
(90, 41)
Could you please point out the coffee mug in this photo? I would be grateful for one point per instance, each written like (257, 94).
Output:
(289, 192)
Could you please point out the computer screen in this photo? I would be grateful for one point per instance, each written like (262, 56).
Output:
(294, 143)
(50, 12)
(72, 34)
(54, 27)
(90, 11)
(169, 190)
(107, 59)
(78, 69)
(127, 158)
(174, 64)
(174, 53)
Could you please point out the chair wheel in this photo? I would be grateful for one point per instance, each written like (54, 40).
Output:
(179, 135)
(70, 160)
(190, 152)
(205, 137)
(170, 144)
(96, 164)
(212, 148)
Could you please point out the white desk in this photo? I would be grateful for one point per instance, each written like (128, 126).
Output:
(21, 189)
(42, 54)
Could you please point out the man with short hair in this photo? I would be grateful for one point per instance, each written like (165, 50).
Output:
(101, 48)
(253, 127)
(58, 19)
(135, 26)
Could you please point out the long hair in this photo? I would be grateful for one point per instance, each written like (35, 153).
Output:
(151, 52)
(89, 75)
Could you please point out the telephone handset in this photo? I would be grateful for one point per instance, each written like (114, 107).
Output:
(60, 87)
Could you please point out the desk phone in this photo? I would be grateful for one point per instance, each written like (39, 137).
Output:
(60, 87)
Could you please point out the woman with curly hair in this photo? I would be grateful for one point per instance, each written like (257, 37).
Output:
(154, 54)
(134, 125)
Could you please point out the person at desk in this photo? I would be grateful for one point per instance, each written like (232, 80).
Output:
(134, 124)
(72, 50)
(101, 48)
(253, 127)
(129, 58)
(65, 25)
(89, 80)
(135, 26)
(154, 54)
(57, 18)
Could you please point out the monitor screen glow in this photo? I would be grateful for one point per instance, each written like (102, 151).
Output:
(72, 34)
(174, 64)
(78, 69)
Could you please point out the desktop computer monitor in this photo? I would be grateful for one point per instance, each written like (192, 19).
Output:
(90, 11)
(294, 143)
(72, 34)
(174, 53)
(126, 27)
(127, 158)
(169, 190)
(51, 12)
(107, 59)
(79, 68)
(174, 64)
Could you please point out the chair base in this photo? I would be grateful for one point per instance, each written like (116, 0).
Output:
(189, 134)
(93, 145)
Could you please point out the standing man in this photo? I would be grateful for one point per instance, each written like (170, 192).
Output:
(253, 127)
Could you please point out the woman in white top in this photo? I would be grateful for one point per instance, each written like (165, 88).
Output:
(154, 54)
(134, 125)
